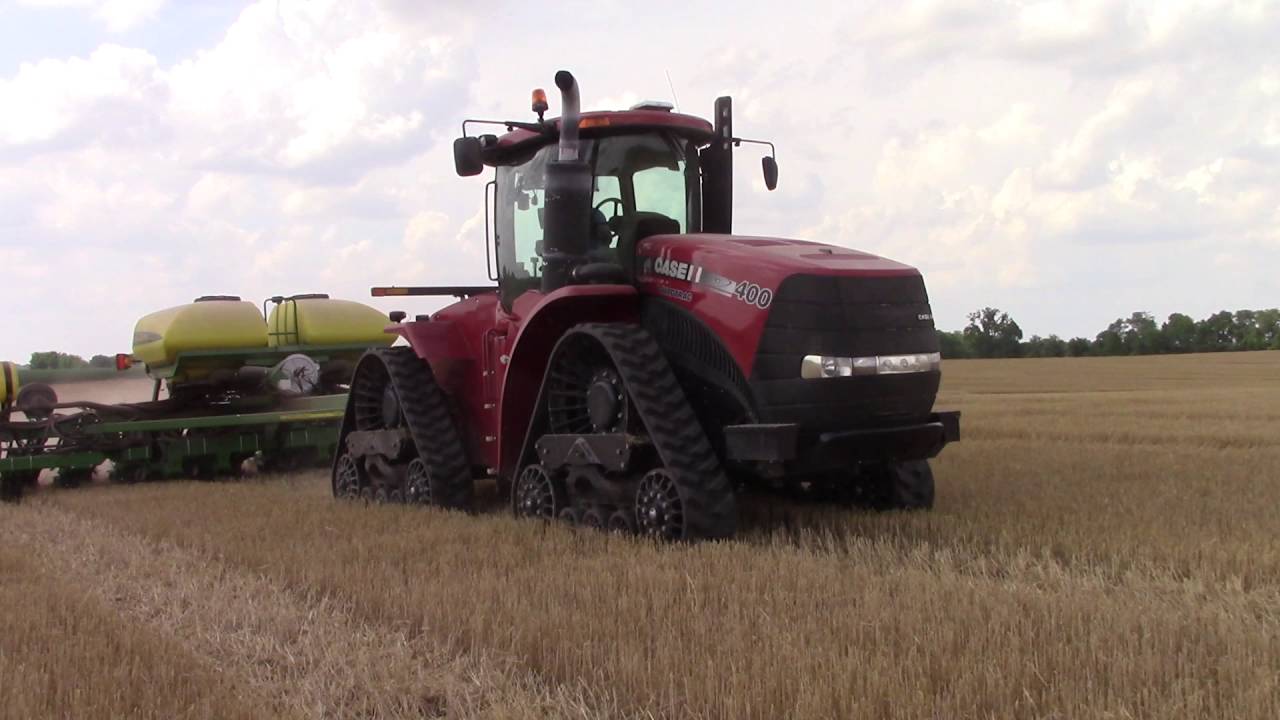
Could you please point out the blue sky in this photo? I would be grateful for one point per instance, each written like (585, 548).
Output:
(1067, 162)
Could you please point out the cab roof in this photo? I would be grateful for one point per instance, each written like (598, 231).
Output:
(597, 123)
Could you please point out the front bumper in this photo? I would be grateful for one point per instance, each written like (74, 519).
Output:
(783, 442)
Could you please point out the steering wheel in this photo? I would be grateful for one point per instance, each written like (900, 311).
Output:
(617, 207)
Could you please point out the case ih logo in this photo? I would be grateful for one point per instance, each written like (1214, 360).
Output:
(664, 265)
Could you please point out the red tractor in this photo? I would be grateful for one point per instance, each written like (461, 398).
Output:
(637, 365)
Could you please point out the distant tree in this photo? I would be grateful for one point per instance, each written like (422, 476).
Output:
(1179, 333)
(1142, 335)
(1052, 346)
(1137, 334)
(53, 360)
(992, 333)
(1055, 346)
(102, 361)
(1078, 347)
(1216, 332)
(1269, 328)
(1245, 332)
(1109, 341)
(1033, 347)
(952, 344)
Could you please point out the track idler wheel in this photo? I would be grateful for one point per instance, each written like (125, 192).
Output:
(347, 477)
(537, 494)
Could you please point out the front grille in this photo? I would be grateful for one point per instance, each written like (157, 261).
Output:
(847, 317)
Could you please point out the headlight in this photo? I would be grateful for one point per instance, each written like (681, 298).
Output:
(829, 366)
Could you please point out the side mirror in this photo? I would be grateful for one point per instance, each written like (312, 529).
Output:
(467, 158)
(770, 171)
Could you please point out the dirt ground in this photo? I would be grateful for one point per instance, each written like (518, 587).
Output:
(1103, 546)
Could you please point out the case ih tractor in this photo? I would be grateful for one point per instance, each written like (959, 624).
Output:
(637, 365)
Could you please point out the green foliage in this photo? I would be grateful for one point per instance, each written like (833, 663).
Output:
(952, 344)
(993, 333)
(53, 360)
(102, 361)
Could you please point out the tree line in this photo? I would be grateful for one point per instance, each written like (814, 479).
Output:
(54, 360)
(991, 333)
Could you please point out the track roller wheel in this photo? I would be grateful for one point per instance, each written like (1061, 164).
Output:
(417, 485)
(659, 506)
(380, 496)
(594, 519)
(537, 494)
(569, 516)
(395, 496)
(366, 494)
(622, 522)
(347, 477)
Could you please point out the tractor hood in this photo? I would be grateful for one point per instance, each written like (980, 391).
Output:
(713, 260)
(730, 282)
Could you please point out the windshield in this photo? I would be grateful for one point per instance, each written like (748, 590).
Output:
(643, 184)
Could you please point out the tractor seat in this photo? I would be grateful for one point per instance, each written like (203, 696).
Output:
(600, 241)
(651, 223)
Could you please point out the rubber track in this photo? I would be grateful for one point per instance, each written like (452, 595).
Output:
(434, 433)
(709, 505)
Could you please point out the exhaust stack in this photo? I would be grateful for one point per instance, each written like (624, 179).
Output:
(567, 213)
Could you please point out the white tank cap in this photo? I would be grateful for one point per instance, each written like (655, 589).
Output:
(653, 105)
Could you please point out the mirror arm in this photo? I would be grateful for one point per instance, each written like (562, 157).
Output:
(773, 153)
(541, 128)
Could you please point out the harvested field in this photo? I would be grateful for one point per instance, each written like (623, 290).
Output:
(1104, 545)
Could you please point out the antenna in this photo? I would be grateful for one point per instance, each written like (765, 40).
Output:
(673, 90)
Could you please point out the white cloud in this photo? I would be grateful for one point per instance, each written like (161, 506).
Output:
(50, 100)
(1018, 153)
(116, 15)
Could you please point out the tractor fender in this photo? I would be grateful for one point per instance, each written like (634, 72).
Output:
(539, 332)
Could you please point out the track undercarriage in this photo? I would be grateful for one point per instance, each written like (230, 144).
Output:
(614, 443)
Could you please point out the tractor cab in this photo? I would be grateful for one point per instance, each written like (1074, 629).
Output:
(651, 172)
(642, 184)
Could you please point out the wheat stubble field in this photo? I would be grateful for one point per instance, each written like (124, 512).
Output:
(1104, 545)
